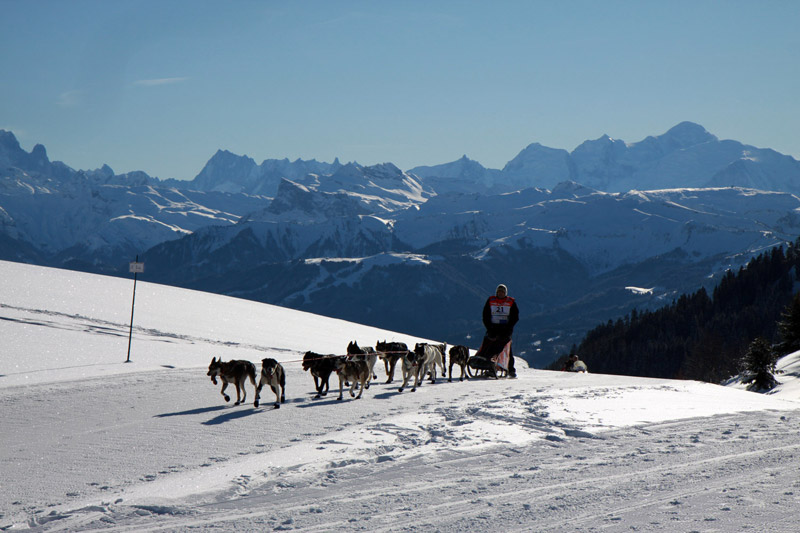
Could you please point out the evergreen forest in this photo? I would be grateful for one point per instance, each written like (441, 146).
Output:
(704, 337)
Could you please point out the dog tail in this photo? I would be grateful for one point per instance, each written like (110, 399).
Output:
(251, 372)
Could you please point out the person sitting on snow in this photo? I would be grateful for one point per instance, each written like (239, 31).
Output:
(574, 364)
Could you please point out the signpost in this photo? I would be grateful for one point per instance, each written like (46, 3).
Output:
(136, 267)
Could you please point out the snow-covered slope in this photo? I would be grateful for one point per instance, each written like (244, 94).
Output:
(89, 442)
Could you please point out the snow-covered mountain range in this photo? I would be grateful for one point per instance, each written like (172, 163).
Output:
(580, 237)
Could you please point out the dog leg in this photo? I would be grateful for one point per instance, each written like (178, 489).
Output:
(225, 386)
(238, 394)
(277, 396)
(386, 367)
(258, 393)
(390, 369)
(341, 389)
(363, 385)
(405, 381)
(244, 389)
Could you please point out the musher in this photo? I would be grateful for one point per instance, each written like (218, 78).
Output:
(500, 315)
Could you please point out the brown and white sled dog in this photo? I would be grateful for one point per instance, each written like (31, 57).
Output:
(355, 371)
(272, 374)
(366, 354)
(235, 371)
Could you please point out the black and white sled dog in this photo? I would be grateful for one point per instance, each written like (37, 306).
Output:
(458, 356)
(355, 371)
(366, 354)
(235, 371)
(272, 374)
(321, 367)
(409, 364)
(391, 353)
(420, 362)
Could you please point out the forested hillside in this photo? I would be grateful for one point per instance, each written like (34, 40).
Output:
(700, 336)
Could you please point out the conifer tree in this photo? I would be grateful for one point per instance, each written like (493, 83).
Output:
(789, 327)
(759, 365)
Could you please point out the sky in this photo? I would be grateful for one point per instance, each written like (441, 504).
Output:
(161, 86)
(90, 442)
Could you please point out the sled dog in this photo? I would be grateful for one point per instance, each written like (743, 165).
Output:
(235, 371)
(354, 371)
(391, 353)
(429, 356)
(272, 374)
(458, 356)
(410, 366)
(321, 367)
(367, 354)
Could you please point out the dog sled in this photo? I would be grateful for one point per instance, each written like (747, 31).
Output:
(491, 360)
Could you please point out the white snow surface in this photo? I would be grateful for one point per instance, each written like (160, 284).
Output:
(90, 442)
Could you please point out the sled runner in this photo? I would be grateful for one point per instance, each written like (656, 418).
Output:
(491, 361)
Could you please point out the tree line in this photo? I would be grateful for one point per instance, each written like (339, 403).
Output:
(752, 315)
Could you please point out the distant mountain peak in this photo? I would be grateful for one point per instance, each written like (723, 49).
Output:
(571, 188)
(689, 134)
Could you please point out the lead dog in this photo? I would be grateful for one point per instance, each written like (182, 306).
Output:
(355, 371)
(235, 371)
(272, 374)
(458, 356)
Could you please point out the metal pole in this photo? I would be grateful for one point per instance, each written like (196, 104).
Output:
(133, 303)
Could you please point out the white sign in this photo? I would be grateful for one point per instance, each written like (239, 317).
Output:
(136, 268)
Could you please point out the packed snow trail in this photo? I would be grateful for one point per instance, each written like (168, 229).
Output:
(160, 450)
(726, 473)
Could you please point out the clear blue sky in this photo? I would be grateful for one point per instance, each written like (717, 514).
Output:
(160, 85)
